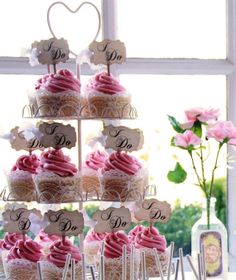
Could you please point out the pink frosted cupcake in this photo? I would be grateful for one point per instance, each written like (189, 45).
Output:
(58, 179)
(107, 97)
(46, 240)
(58, 95)
(123, 178)
(6, 244)
(52, 268)
(21, 261)
(20, 181)
(92, 245)
(92, 166)
(113, 249)
(134, 232)
(146, 240)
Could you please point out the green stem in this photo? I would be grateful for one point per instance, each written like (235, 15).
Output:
(203, 170)
(200, 183)
(214, 169)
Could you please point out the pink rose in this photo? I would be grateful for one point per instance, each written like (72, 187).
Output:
(201, 114)
(222, 130)
(187, 139)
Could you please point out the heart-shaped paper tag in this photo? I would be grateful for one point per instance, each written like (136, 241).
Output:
(80, 27)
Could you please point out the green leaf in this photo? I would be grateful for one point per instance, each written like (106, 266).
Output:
(178, 175)
(175, 124)
(197, 128)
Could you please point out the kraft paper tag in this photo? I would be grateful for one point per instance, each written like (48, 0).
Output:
(52, 51)
(107, 52)
(64, 222)
(112, 219)
(57, 135)
(19, 142)
(19, 220)
(153, 210)
(121, 138)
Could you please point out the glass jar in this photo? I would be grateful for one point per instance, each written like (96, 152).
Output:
(214, 241)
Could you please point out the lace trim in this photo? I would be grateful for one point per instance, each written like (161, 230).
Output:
(52, 188)
(113, 267)
(118, 186)
(152, 270)
(91, 250)
(52, 272)
(20, 269)
(63, 104)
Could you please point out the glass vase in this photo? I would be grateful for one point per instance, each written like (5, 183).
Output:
(214, 241)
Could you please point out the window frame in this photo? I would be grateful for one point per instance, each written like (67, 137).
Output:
(227, 67)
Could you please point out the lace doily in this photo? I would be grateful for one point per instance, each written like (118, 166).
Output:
(52, 272)
(52, 188)
(113, 267)
(20, 269)
(62, 104)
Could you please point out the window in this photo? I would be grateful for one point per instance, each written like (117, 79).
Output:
(180, 49)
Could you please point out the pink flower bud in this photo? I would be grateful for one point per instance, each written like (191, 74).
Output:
(187, 139)
(221, 131)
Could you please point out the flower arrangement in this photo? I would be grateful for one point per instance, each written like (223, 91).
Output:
(195, 136)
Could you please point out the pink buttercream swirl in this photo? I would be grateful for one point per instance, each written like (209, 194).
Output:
(150, 238)
(58, 251)
(28, 163)
(92, 236)
(28, 249)
(113, 244)
(55, 161)
(63, 80)
(96, 160)
(104, 83)
(123, 162)
(134, 232)
(45, 238)
(9, 240)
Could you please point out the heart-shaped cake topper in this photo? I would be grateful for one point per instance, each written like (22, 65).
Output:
(73, 12)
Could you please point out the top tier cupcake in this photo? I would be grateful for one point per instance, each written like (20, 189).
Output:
(58, 95)
(106, 97)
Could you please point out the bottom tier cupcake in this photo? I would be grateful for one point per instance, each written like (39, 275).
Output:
(92, 245)
(53, 267)
(21, 261)
(113, 248)
(146, 240)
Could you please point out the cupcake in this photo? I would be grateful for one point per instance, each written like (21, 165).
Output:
(21, 261)
(58, 95)
(107, 98)
(6, 244)
(46, 240)
(94, 162)
(146, 240)
(20, 181)
(134, 232)
(123, 178)
(58, 180)
(52, 267)
(113, 249)
(92, 245)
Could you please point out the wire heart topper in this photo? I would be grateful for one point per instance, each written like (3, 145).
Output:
(73, 52)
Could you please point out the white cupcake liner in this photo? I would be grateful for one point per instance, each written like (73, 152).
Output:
(61, 104)
(152, 270)
(113, 267)
(51, 272)
(20, 269)
(21, 186)
(109, 106)
(118, 186)
(52, 188)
